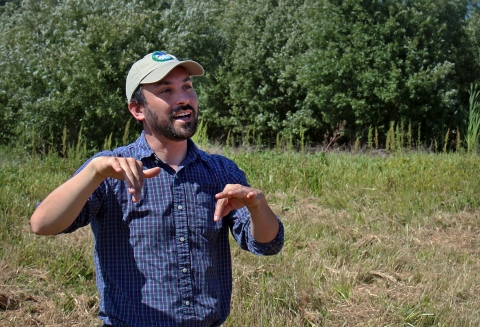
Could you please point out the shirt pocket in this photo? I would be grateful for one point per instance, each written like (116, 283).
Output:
(205, 203)
(146, 221)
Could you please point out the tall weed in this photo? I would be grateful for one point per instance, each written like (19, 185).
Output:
(473, 130)
(372, 239)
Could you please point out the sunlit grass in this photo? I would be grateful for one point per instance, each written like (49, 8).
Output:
(371, 240)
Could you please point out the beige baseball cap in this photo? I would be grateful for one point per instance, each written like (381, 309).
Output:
(155, 66)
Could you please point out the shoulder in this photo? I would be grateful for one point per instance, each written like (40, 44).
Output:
(216, 159)
(136, 150)
(224, 168)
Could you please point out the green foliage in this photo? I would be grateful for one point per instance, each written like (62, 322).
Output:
(289, 69)
(400, 232)
(64, 65)
(254, 85)
(200, 138)
(473, 131)
(72, 59)
(371, 63)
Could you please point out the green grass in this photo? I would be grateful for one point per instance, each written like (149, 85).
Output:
(371, 240)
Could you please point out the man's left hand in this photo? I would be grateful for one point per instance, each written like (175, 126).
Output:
(236, 196)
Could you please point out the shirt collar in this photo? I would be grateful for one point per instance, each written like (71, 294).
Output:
(193, 152)
(144, 150)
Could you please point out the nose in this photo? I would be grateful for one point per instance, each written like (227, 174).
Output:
(186, 97)
(183, 100)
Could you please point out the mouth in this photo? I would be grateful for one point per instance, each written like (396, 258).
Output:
(183, 116)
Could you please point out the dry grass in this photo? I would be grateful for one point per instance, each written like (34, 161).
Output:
(336, 271)
(406, 254)
(33, 297)
(332, 272)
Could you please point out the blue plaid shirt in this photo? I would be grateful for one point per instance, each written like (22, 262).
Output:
(163, 261)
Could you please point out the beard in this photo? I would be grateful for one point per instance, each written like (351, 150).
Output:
(167, 127)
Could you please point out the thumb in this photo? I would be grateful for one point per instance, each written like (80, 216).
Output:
(152, 172)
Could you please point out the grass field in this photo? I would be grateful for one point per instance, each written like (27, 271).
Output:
(372, 239)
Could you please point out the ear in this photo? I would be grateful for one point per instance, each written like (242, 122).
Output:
(136, 110)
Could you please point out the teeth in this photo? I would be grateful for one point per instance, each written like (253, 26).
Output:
(182, 115)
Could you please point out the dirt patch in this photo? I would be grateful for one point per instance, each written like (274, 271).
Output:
(22, 310)
(8, 302)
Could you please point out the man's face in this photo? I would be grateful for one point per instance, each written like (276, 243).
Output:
(171, 110)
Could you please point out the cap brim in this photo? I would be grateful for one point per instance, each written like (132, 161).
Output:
(193, 69)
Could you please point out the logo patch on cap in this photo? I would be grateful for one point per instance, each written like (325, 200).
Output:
(161, 56)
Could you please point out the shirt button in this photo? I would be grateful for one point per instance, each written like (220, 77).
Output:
(180, 207)
(187, 302)
(182, 239)
(184, 270)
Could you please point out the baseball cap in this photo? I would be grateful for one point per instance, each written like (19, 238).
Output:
(155, 66)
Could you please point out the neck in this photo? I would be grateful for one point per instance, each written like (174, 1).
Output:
(170, 152)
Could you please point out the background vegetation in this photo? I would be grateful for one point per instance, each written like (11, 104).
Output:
(382, 236)
(371, 240)
(295, 69)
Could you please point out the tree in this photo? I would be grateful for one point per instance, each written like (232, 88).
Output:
(374, 62)
(253, 91)
(273, 67)
(72, 58)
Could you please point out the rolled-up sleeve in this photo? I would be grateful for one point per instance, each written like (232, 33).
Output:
(241, 232)
(93, 204)
(89, 210)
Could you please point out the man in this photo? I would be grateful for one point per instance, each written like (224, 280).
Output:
(161, 209)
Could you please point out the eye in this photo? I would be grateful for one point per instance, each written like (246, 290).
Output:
(165, 91)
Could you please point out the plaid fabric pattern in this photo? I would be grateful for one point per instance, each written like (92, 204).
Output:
(163, 261)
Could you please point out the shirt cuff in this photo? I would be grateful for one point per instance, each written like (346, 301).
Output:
(270, 248)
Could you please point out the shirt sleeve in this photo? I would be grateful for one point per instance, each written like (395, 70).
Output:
(94, 203)
(242, 233)
(89, 210)
(240, 222)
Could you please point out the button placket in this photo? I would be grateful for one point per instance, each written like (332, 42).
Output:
(183, 252)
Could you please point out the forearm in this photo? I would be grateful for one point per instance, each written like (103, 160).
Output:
(62, 206)
(264, 223)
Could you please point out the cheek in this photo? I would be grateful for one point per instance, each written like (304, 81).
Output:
(194, 100)
(193, 95)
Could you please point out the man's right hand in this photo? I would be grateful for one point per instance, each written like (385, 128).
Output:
(127, 169)
(61, 207)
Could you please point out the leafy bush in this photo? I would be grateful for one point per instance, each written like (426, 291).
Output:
(64, 65)
(292, 69)
(371, 63)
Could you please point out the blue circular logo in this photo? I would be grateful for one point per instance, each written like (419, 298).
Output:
(161, 56)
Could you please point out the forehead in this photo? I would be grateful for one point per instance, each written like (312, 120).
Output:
(177, 74)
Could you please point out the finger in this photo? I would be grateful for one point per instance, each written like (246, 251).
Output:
(131, 170)
(222, 208)
(115, 164)
(237, 193)
(226, 190)
(241, 192)
(247, 196)
(230, 193)
(222, 195)
(137, 170)
(152, 172)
